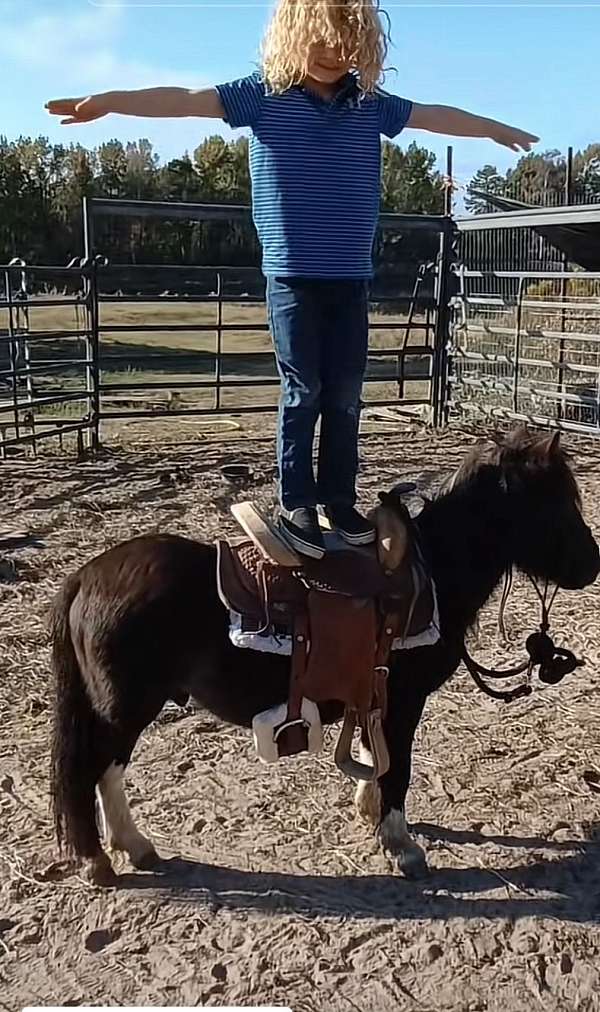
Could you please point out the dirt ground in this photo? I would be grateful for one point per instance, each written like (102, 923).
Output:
(275, 893)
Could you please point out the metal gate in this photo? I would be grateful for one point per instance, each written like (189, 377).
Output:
(48, 352)
(525, 344)
(156, 341)
(202, 364)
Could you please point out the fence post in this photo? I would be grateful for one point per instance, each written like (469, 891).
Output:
(569, 177)
(564, 284)
(92, 370)
(517, 343)
(442, 323)
(448, 193)
(88, 227)
(93, 351)
(219, 362)
(13, 351)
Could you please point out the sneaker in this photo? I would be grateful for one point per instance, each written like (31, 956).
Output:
(301, 530)
(350, 525)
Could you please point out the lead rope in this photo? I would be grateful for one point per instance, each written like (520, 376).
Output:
(553, 662)
(546, 606)
(508, 582)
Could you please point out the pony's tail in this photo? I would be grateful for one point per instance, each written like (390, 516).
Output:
(73, 772)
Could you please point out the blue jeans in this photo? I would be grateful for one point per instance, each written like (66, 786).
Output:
(320, 333)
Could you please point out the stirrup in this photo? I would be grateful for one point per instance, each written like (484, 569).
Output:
(377, 746)
(268, 726)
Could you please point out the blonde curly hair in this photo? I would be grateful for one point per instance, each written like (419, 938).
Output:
(353, 26)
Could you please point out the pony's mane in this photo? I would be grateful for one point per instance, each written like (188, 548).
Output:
(518, 452)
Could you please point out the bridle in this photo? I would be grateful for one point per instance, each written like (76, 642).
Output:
(553, 663)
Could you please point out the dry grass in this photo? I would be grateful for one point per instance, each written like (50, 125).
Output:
(283, 897)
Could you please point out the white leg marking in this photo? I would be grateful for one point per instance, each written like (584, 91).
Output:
(396, 839)
(120, 832)
(367, 797)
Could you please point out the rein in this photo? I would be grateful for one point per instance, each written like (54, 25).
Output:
(552, 662)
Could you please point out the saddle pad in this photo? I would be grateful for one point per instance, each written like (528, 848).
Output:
(245, 636)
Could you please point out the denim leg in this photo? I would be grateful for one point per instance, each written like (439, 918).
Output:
(293, 306)
(344, 348)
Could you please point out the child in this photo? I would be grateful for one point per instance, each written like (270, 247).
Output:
(316, 111)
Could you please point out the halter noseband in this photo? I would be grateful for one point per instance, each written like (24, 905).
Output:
(552, 662)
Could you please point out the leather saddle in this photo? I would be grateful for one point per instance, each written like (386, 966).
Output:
(343, 614)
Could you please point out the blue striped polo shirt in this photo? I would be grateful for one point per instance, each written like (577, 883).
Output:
(316, 173)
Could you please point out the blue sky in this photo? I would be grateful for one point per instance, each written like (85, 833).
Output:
(535, 65)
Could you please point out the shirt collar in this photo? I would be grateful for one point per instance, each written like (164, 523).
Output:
(348, 93)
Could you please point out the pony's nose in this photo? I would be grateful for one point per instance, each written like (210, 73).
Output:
(585, 566)
(595, 564)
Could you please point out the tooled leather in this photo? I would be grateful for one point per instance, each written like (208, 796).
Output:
(262, 590)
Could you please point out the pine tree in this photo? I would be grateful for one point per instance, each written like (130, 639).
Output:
(487, 180)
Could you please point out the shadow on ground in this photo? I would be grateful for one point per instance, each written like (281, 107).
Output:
(566, 885)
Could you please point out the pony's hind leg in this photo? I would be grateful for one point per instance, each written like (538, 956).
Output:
(120, 831)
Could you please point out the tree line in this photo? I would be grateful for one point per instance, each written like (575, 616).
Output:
(42, 185)
(539, 178)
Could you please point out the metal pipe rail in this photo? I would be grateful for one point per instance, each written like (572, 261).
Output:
(24, 414)
(492, 362)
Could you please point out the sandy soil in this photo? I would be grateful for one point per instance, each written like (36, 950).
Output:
(275, 893)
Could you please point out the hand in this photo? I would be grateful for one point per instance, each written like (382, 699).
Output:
(510, 137)
(78, 110)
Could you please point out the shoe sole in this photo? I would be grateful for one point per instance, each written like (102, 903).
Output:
(301, 546)
(356, 539)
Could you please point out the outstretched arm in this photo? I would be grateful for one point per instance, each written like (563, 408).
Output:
(442, 119)
(146, 102)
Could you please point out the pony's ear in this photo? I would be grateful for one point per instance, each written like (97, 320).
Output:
(390, 501)
(549, 446)
(516, 438)
(387, 498)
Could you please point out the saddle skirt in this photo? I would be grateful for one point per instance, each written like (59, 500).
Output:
(245, 636)
(263, 598)
(341, 616)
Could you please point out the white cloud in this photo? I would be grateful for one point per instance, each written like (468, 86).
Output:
(78, 53)
(83, 49)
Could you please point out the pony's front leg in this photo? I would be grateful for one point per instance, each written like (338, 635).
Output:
(120, 831)
(383, 803)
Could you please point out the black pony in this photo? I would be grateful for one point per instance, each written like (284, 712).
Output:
(143, 623)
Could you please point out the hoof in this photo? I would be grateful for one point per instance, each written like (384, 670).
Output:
(147, 861)
(399, 846)
(411, 863)
(99, 871)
